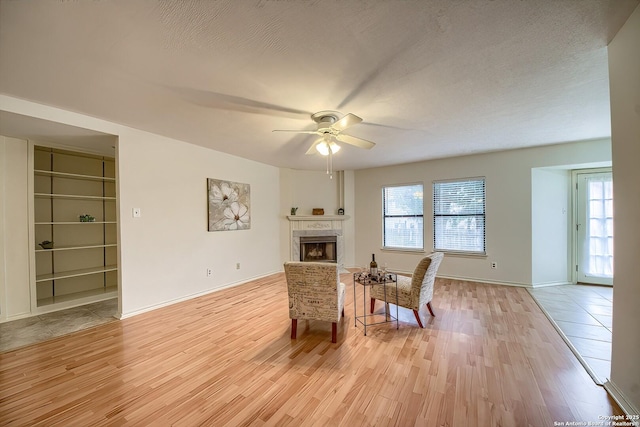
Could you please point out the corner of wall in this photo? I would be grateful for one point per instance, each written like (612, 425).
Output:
(3, 293)
(620, 398)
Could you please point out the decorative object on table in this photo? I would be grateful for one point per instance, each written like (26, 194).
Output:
(341, 211)
(417, 290)
(229, 205)
(87, 218)
(317, 211)
(315, 293)
(46, 244)
(293, 211)
(365, 277)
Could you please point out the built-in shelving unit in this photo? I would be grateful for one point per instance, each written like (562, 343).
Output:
(81, 264)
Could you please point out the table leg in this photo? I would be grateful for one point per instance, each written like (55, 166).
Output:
(364, 307)
(355, 311)
(397, 319)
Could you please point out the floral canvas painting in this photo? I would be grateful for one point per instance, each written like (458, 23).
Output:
(229, 205)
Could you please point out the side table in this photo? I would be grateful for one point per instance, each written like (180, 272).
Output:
(366, 280)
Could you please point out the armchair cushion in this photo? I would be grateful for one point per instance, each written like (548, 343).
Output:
(414, 291)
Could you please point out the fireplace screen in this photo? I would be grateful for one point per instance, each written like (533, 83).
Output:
(318, 248)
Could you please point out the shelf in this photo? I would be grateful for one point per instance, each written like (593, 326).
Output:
(318, 217)
(98, 294)
(71, 197)
(74, 222)
(73, 176)
(70, 248)
(75, 273)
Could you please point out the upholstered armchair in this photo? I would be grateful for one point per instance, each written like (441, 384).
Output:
(414, 291)
(315, 293)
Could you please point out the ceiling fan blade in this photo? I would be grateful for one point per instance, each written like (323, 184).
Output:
(221, 101)
(312, 149)
(358, 142)
(297, 131)
(346, 121)
(391, 127)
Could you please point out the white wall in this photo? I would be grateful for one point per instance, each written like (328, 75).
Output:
(15, 297)
(508, 207)
(313, 189)
(550, 226)
(3, 271)
(165, 253)
(349, 231)
(624, 72)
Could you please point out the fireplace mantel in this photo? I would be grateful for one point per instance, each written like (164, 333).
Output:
(316, 222)
(317, 217)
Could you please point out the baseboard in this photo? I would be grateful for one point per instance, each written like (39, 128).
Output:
(620, 398)
(123, 316)
(548, 284)
(17, 317)
(489, 282)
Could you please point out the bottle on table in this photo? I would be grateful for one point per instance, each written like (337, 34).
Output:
(373, 266)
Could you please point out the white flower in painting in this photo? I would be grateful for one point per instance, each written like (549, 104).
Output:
(236, 216)
(223, 194)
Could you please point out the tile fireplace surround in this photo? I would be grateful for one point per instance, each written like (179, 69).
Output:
(316, 225)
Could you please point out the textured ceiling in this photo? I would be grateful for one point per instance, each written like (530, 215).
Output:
(430, 78)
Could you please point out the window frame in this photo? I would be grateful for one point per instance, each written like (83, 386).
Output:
(483, 215)
(385, 216)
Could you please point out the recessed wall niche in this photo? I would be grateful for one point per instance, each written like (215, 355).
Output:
(75, 227)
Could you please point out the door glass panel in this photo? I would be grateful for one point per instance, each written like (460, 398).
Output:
(600, 193)
(595, 228)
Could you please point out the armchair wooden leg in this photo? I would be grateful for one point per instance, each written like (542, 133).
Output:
(294, 328)
(430, 309)
(373, 304)
(415, 312)
(334, 332)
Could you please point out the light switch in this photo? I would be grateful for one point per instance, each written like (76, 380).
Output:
(137, 212)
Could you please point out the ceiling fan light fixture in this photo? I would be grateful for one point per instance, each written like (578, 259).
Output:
(324, 147)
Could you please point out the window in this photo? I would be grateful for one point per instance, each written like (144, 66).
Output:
(403, 217)
(458, 215)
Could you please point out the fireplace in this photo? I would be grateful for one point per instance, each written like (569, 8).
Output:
(317, 238)
(318, 248)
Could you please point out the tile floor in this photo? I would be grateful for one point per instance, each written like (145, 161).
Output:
(582, 315)
(22, 332)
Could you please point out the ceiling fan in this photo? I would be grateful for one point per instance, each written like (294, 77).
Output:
(330, 127)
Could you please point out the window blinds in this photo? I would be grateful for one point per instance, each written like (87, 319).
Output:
(403, 216)
(459, 215)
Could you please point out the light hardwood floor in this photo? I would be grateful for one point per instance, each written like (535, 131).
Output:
(489, 358)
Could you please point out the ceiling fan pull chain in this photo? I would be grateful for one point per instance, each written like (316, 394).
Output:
(330, 161)
(327, 165)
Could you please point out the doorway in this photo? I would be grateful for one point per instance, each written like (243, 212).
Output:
(594, 226)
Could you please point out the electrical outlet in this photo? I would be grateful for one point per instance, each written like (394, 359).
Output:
(209, 272)
(494, 265)
(238, 266)
(136, 212)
